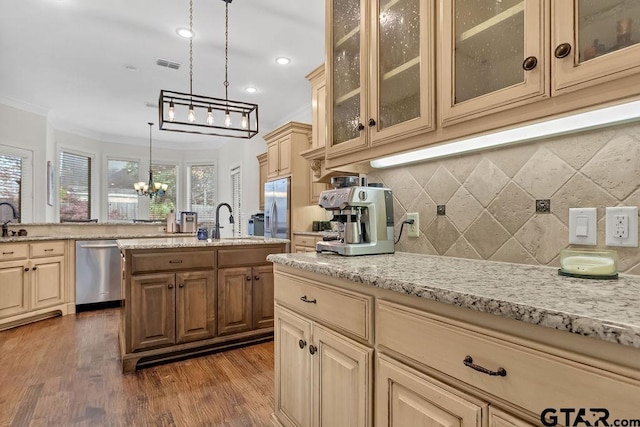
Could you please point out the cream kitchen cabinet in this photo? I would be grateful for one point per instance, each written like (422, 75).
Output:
(500, 55)
(284, 145)
(323, 369)
(380, 72)
(33, 281)
(305, 242)
(279, 157)
(262, 179)
(318, 107)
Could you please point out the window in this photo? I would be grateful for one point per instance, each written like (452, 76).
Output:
(236, 197)
(202, 198)
(10, 185)
(75, 187)
(122, 200)
(160, 207)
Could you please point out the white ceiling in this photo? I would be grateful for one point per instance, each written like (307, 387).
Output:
(66, 59)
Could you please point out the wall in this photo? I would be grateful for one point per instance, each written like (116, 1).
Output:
(490, 196)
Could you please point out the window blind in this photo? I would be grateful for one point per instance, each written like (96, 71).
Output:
(122, 200)
(236, 197)
(75, 186)
(202, 195)
(10, 185)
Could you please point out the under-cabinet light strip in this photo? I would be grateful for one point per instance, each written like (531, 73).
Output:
(582, 121)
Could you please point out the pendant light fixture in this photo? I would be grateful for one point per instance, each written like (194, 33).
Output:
(190, 113)
(151, 189)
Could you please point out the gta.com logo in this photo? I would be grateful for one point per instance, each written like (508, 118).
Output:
(586, 417)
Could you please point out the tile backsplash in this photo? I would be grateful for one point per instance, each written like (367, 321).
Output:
(490, 196)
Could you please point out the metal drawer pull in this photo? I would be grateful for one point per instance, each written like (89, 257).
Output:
(175, 262)
(248, 278)
(468, 361)
(34, 268)
(26, 269)
(7, 253)
(309, 301)
(302, 344)
(256, 277)
(48, 250)
(313, 349)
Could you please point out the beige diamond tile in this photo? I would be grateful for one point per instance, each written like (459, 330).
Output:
(422, 172)
(631, 129)
(398, 212)
(441, 186)
(633, 270)
(627, 257)
(486, 181)
(616, 168)
(462, 249)
(442, 234)
(461, 166)
(486, 235)
(513, 252)
(580, 192)
(389, 176)
(419, 245)
(426, 208)
(462, 209)
(543, 174)
(406, 189)
(578, 149)
(632, 200)
(513, 207)
(543, 236)
(510, 159)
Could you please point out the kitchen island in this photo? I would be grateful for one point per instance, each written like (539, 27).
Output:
(460, 341)
(184, 296)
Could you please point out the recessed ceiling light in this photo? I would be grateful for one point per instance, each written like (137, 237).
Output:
(130, 67)
(251, 89)
(185, 32)
(282, 60)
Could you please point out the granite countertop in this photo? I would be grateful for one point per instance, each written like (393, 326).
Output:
(110, 236)
(604, 309)
(193, 242)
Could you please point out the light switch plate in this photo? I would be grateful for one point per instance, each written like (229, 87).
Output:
(621, 221)
(583, 226)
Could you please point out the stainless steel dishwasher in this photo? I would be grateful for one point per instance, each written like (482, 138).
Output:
(97, 274)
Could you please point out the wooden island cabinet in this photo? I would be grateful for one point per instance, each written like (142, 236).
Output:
(187, 300)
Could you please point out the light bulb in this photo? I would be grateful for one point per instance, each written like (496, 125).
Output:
(146, 187)
(227, 119)
(192, 115)
(164, 187)
(136, 186)
(157, 185)
(172, 111)
(245, 121)
(210, 117)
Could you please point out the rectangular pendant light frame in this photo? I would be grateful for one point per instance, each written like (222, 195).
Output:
(201, 105)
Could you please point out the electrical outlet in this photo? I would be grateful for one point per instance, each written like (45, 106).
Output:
(413, 230)
(622, 226)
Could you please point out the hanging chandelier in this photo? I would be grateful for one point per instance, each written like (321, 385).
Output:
(190, 113)
(151, 189)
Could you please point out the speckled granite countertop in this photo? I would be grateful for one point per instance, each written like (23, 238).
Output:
(604, 309)
(110, 236)
(193, 242)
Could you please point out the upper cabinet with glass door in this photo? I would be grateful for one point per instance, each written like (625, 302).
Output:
(493, 56)
(380, 76)
(594, 41)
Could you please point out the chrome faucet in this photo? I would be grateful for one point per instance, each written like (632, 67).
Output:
(5, 227)
(215, 233)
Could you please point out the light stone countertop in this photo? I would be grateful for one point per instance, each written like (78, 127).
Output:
(193, 242)
(109, 236)
(605, 309)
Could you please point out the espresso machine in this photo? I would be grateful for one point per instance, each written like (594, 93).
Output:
(365, 220)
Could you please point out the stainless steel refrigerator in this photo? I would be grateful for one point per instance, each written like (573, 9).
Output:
(277, 208)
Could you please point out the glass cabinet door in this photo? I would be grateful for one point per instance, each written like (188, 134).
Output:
(402, 82)
(347, 59)
(602, 44)
(494, 56)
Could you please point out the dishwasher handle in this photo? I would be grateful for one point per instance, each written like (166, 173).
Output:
(103, 246)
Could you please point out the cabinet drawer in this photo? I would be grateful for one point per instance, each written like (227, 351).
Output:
(340, 309)
(151, 262)
(244, 256)
(534, 380)
(44, 249)
(308, 241)
(11, 252)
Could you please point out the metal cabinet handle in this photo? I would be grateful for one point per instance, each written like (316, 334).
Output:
(7, 253)
(256, 277)
(248, 278)
(529, 63)
(178, 261)
(313, 349)
(562, 50)
(170, 286)
(48, 250)
(181, 285)
(468, 361)
(372, 123)
(360, 126)
(302, 344)
(34, 268)
(26, 269)
(308, 301)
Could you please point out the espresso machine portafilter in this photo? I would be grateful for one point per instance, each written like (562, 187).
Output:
(365, 217)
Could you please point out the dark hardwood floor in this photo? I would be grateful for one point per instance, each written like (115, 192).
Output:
(66, 372)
